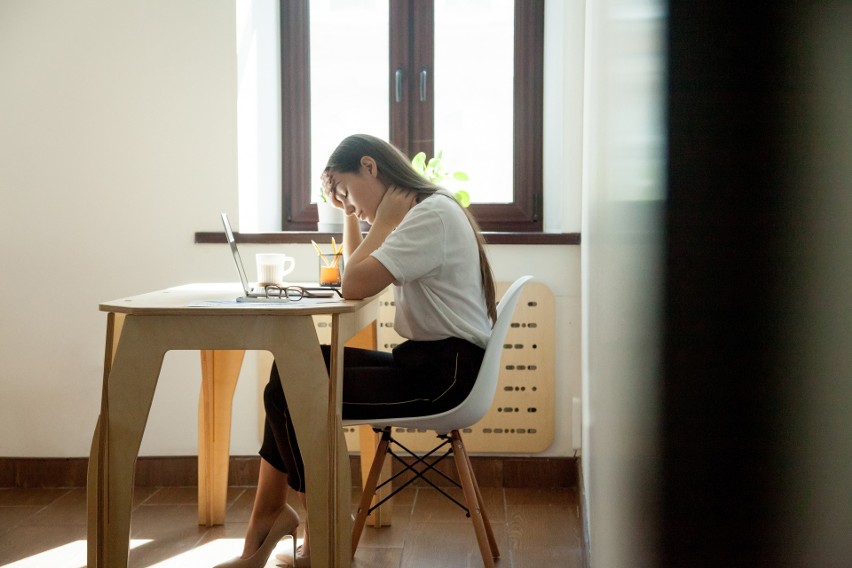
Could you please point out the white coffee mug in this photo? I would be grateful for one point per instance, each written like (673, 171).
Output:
(273, 267)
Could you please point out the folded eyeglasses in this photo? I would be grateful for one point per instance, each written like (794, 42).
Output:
(296, 293)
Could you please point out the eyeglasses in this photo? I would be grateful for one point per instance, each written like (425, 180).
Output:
(296, 293)
(292, 293)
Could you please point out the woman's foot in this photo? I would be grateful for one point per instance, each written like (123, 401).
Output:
(286, 523)
(301, 560)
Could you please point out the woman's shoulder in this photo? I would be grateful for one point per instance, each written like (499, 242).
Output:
(441, 202)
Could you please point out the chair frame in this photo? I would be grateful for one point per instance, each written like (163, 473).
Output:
(460, 417)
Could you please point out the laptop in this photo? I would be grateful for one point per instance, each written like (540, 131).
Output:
(258, 294)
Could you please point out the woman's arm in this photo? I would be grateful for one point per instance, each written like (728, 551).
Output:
(364, 275)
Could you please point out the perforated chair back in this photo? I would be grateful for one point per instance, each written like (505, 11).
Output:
(479, 401)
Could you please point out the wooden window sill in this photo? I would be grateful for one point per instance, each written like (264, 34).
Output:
(491, 237)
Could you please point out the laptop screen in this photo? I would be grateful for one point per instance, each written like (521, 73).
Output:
(229, 235)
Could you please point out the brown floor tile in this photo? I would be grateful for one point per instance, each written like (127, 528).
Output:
(534, 529)
(549, 557)
(172, 529)
(142, 494)
(378, 558)
(70, 509)
(27, 541)
(30, 497)
(11, 517)
(439, 545)
(173, 496)
(392, 536)
(432, 506)
(557, 497)
(239, 509)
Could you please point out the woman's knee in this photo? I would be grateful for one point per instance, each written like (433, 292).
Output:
(273, 396)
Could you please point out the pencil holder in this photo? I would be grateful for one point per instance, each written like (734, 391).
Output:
(330, 269)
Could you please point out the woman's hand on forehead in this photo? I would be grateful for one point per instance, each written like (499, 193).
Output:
(329, 188)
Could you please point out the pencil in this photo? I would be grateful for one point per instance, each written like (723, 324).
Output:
(320, 253)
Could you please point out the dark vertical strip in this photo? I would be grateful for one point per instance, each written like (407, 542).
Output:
(422, 113)
(724, 263)
(298, 213)
(529, 97)
(399, 56)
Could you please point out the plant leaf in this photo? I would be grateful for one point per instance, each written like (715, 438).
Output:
(462, 197)
(461, 176)
(418, 162)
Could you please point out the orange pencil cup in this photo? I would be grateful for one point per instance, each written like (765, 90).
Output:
(330, 269)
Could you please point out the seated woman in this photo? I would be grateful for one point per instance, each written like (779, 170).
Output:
(429, 247)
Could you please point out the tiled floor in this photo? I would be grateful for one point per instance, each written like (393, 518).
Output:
(534, 528)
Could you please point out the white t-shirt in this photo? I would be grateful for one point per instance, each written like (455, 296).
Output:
(434, 259)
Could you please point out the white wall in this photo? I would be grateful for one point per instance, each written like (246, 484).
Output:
(117, 137)
(118, 141)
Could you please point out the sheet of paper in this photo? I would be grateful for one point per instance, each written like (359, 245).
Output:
(262, 304)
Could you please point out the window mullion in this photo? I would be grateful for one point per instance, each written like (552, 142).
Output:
(297, 211)
(399, 71)
(422, 129)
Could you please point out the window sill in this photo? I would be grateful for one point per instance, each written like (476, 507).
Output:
(491, 237)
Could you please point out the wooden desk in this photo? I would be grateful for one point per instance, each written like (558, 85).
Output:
(141, 329)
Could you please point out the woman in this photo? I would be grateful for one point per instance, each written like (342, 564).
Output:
(430, 248)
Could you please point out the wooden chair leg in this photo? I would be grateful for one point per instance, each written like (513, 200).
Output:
(369, 489)
(474, 502)
(492, 542)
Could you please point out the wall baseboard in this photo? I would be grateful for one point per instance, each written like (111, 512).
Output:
(182, 471)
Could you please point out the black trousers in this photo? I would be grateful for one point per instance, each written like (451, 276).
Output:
(418, 378)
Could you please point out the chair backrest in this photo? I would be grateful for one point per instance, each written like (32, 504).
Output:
(478, 402)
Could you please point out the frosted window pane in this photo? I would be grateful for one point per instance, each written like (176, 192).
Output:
(349, 63)
(474, 72)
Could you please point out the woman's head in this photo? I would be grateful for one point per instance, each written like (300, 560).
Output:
(358, 174)
(393, 166)
(360, 170)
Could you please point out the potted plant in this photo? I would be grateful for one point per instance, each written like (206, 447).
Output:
(329, 217)
(434, 171)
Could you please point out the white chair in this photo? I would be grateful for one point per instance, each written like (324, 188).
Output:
(447, 426)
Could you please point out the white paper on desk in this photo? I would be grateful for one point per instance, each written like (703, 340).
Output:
(235, 304)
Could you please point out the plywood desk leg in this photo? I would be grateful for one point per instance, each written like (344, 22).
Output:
(124, 412)
(368, 440)
(219, 373)
(96, 503)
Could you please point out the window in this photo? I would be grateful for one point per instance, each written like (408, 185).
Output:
(391, 51)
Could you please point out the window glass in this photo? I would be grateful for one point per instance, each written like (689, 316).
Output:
(474, 75)
(349, 62)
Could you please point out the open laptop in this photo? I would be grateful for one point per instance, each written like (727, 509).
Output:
(258, 294)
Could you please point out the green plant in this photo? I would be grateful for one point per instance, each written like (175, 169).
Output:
(434, 171)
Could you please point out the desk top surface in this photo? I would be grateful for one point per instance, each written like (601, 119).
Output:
(220, 299)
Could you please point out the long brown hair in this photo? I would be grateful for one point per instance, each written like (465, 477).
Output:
(395, 169)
